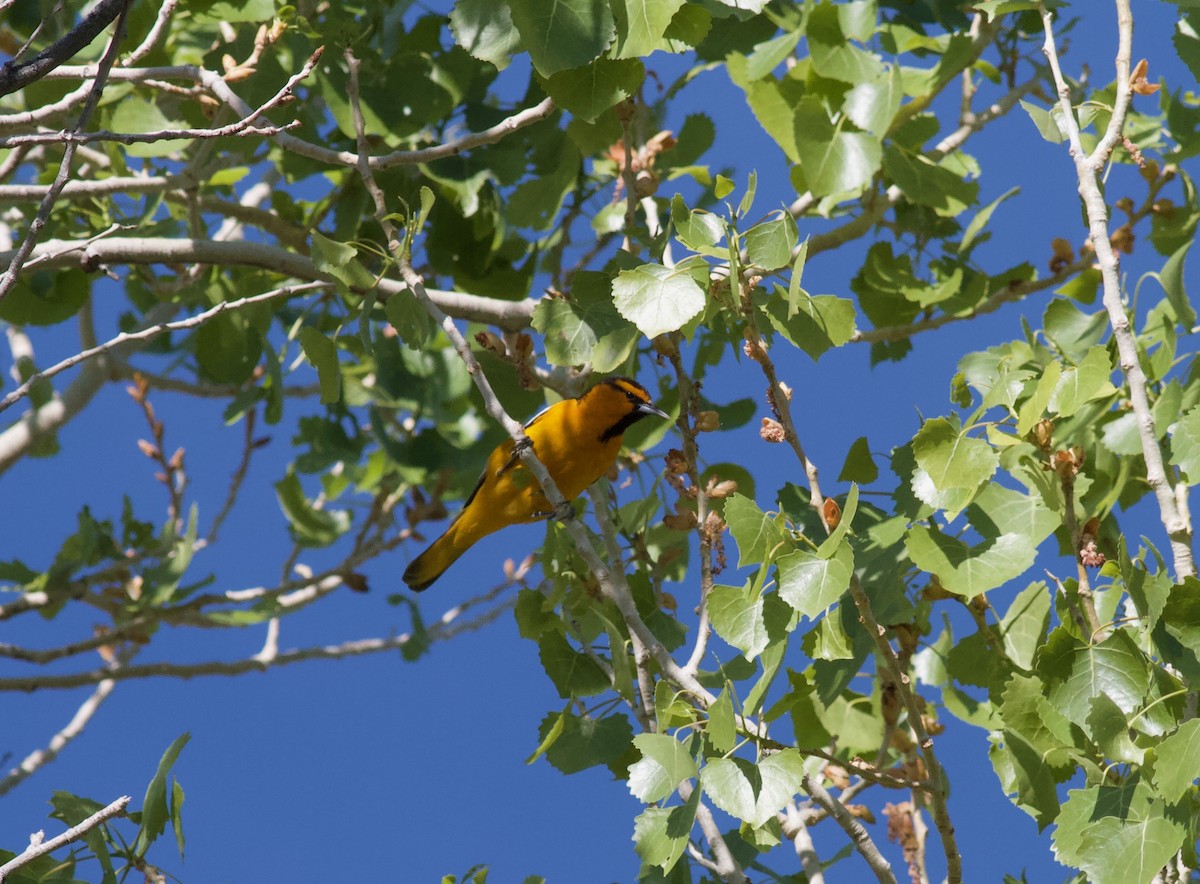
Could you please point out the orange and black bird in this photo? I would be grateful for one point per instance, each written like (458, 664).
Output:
(577, 440)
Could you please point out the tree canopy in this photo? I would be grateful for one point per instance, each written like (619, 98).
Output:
(368, 239)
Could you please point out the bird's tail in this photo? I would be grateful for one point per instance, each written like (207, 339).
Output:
(441, 554)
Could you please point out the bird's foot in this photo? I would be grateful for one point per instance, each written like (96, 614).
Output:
(561, 513)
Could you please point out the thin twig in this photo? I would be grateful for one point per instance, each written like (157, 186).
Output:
(38, 848)
(443, 629)
(937, 794)
(18, 76)
(41, 757)
(724, 865)
(9, 278)
(154, 331)
(153, 36)
(796, 831)
(244, 126)
(852, 827)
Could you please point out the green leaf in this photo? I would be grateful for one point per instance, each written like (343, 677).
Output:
(1117, 834)
(340, 261)
(757, 534)
(981, 219)
(664, 764)
(1185, 445)
(1073, 331)
(322, 353)
(1024, 775)
(1025, 711)
(859, 466)
(834, 161)
(139, 116)
(641, 24)
(769, 54)
(1034, 408)
(810, 583)
(1049, 122)
(769, 244)
(574, 674)
(589, 91)
(583, 742)
(815, 325)
(721, 729)
(969, 571)
(753, 793)
(1023, 627)
(1177, 761)
(1082, 383)
(927, 183)
(872, 104)
(44, 298)
(657, 299)
(237, 11)
(696, 228)
(1187, 44)
(794, 292)
(723, 187)
(410, 319)
(951, 465)
(832, 55)
(550, 730)
(1170, 277)
(736, 614)
(309, 526)
(485, 29)
(1114, 668)
(563, 34)
(177, 815)
(155, 811)
(660, 834)
(568, 338)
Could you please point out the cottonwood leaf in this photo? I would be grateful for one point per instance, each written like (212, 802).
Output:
(810, 583)
(660, 834)
(834, 160)
(753, 793)
(641, 24)
(969, 571)
(1185, 445)
(1177, 761)
(757, 534)
(485, 29)
(590, 90)
(657, 299)
(1082, 383)
(1117, 834)
(562, 34)
(664, 764)
(736, 614)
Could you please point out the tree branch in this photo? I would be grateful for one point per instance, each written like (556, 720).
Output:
(9, 278)
(15, 76)
(41, 757)
(852, 827)
(507, 315)
(1087, 169)
(125, 339)
(37, 847)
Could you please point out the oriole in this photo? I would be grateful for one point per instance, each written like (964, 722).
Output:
(577, 440)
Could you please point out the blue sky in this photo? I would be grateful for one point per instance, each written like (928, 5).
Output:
(381, 769)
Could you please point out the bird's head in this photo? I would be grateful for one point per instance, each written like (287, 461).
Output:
(619, 403)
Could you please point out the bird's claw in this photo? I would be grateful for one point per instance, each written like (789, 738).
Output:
(561, 513)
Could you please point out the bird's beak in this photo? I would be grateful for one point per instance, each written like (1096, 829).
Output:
(649, 408)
